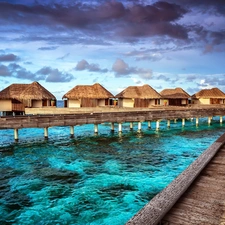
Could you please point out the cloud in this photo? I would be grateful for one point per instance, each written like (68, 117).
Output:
(163, 77)
(191, 77)
(84, 65)
(112, 19)
(15, 70)
(8, 58)
(63, 57)
(120, 68)
(22, 73)
(145, 55)
(4, 71)
(218, 5)
(54, 75)
(48, 48)
(46, 73)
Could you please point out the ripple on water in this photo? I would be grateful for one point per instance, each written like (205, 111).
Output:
(93, 179)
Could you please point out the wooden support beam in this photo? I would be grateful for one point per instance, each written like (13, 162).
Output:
(131, 125)
(209, 120)
(112, 127)
(183, 122)
(16, 135)
(120, 127)
(46, 132)
(168, 123)
(71, 131)
(96, 128)
(149, 124)
(221, 119)
(197, 121)
(157, 125)
(139, 126)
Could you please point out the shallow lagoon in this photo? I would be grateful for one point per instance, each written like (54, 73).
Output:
(93, 179)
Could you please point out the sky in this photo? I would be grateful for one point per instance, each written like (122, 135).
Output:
(61, 44)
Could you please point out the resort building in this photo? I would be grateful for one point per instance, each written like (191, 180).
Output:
(138, 96)
(16, 97)
(209, 96)
(175, 97)
(88, 96)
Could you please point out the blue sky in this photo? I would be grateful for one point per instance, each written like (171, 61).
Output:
(61, 44)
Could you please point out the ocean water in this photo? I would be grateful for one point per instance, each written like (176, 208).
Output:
(93, 179)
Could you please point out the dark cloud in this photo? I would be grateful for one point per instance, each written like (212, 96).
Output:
(4, 71)
(8, 58)
(22, 73)
(191, 78)
(48, 48)
(84, 65)
(121, 69)
(54, 75)
(109, 18)
(163, 77)
(46, 73)
(214, 80)
(218, 5)
(63, 57)
(218, 37)
(15, 70)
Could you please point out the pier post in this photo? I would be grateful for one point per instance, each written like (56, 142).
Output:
(16, 134)
(157, 124)
(71, 131)
(96, 128)
(221, 119)
(149, 124)
(46, 132)
(112, 127)
(131, 125)
(175, 120)
(139, 126)
(120, 127)
(183, 122)
(168, 123)
(197, 121)
(209, 120)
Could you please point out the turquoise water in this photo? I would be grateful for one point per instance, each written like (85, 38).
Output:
(93, 179)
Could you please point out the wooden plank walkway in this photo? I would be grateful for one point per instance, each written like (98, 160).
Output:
(204, 201)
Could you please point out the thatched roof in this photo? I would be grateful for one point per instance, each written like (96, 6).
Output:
(176, 93)
(209, 93)
(141, 92)
(36, 92)
(95, 91)
(26, 92)
(13, 91)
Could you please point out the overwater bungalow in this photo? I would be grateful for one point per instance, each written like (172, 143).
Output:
(208, 97)
(174, 97)
(88, 96)
(14, 98)
(138, 96)
(36, 96)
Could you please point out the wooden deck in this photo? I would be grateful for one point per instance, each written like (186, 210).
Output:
(196, 196)
(204, 201)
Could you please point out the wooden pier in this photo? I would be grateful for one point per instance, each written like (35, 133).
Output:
(195, 197)
(204, 201)
(73, 117)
